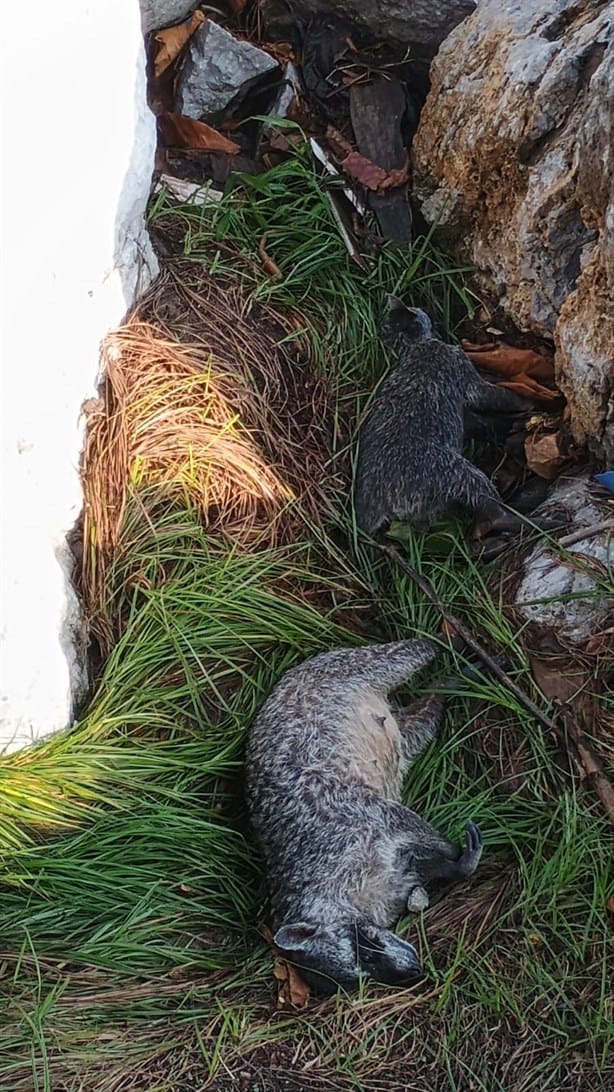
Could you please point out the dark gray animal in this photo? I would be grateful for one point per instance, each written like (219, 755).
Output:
(344, 858)
(410, 462)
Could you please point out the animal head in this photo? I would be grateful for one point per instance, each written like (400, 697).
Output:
(344, 952)
(403, 323)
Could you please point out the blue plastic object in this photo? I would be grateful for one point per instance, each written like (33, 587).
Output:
(606, 479)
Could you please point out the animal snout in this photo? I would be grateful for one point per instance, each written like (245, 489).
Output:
(386, 958)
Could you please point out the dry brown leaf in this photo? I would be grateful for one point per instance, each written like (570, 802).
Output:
(181, 132)
(545, 453)
(292, 992)
(610, 904)
(172, 40)
(557, 679)
(282, 51)
(397, 177)
(600, 642)
(268, 264)
(527, 373)
(362, 170)
(371, 176)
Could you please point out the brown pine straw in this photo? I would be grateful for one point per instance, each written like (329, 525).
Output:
(224, 421)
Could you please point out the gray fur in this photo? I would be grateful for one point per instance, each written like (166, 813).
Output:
(410, 463)
(345, 859)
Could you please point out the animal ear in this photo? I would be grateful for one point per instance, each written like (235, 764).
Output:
(393, 303)
(297, 936)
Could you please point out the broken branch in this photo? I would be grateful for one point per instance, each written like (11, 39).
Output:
(472, 643)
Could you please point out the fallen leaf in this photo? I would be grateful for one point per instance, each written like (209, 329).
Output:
(371, 176)
(527, 372)
(268, 264)
(181, 132)
(397, 177)
(556, 677)
(337, 139)
(600, 642)
(292, 992)
(545, 453)
(172, 40)
(610, 904)
(282, 51)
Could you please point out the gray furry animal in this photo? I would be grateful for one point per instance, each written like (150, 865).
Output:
(326, 758)
(410, 463)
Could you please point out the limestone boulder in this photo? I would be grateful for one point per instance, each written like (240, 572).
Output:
(557, 595)
(514, 159)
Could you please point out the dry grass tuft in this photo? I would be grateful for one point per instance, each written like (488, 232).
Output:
(225, 419)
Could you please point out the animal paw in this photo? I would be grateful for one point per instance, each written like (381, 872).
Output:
(417, 898)
(502, 522)
(487, 549)
(470, 858)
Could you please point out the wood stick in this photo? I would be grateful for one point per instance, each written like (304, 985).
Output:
(472, 643)
(586, 532)
(591, 764)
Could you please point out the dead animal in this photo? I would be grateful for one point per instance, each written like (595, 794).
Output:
(344, 857)
(410, 464)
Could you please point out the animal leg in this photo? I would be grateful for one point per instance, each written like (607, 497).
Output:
(471, 488)
(419, 723)
(387, 666)
(493, 398)
(431, 857)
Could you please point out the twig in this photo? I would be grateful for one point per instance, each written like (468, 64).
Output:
(471, 642)
(591, 764)
(586, 532)
(570, 735)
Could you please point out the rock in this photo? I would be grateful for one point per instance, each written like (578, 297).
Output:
(514, 158)
(424, 23)
(218, 72)
(156, 14)
(546, 576)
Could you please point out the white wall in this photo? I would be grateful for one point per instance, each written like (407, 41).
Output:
(77, 156)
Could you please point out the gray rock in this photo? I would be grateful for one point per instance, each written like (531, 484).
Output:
(424, 23)
(218, 72)
(546, 576)
(162, 13)
(514, 159)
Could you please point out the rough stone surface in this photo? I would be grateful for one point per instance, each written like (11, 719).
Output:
(218, 71)
(514, 157)
(424, 23)
(162, 13)
(545, 576)
(61, 295)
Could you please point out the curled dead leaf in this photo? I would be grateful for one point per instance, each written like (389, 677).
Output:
(178, 131)
(526, 372)
(268, 264)
(292, 992)
(172, 40)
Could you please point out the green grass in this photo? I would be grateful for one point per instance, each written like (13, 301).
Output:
(130, 891)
